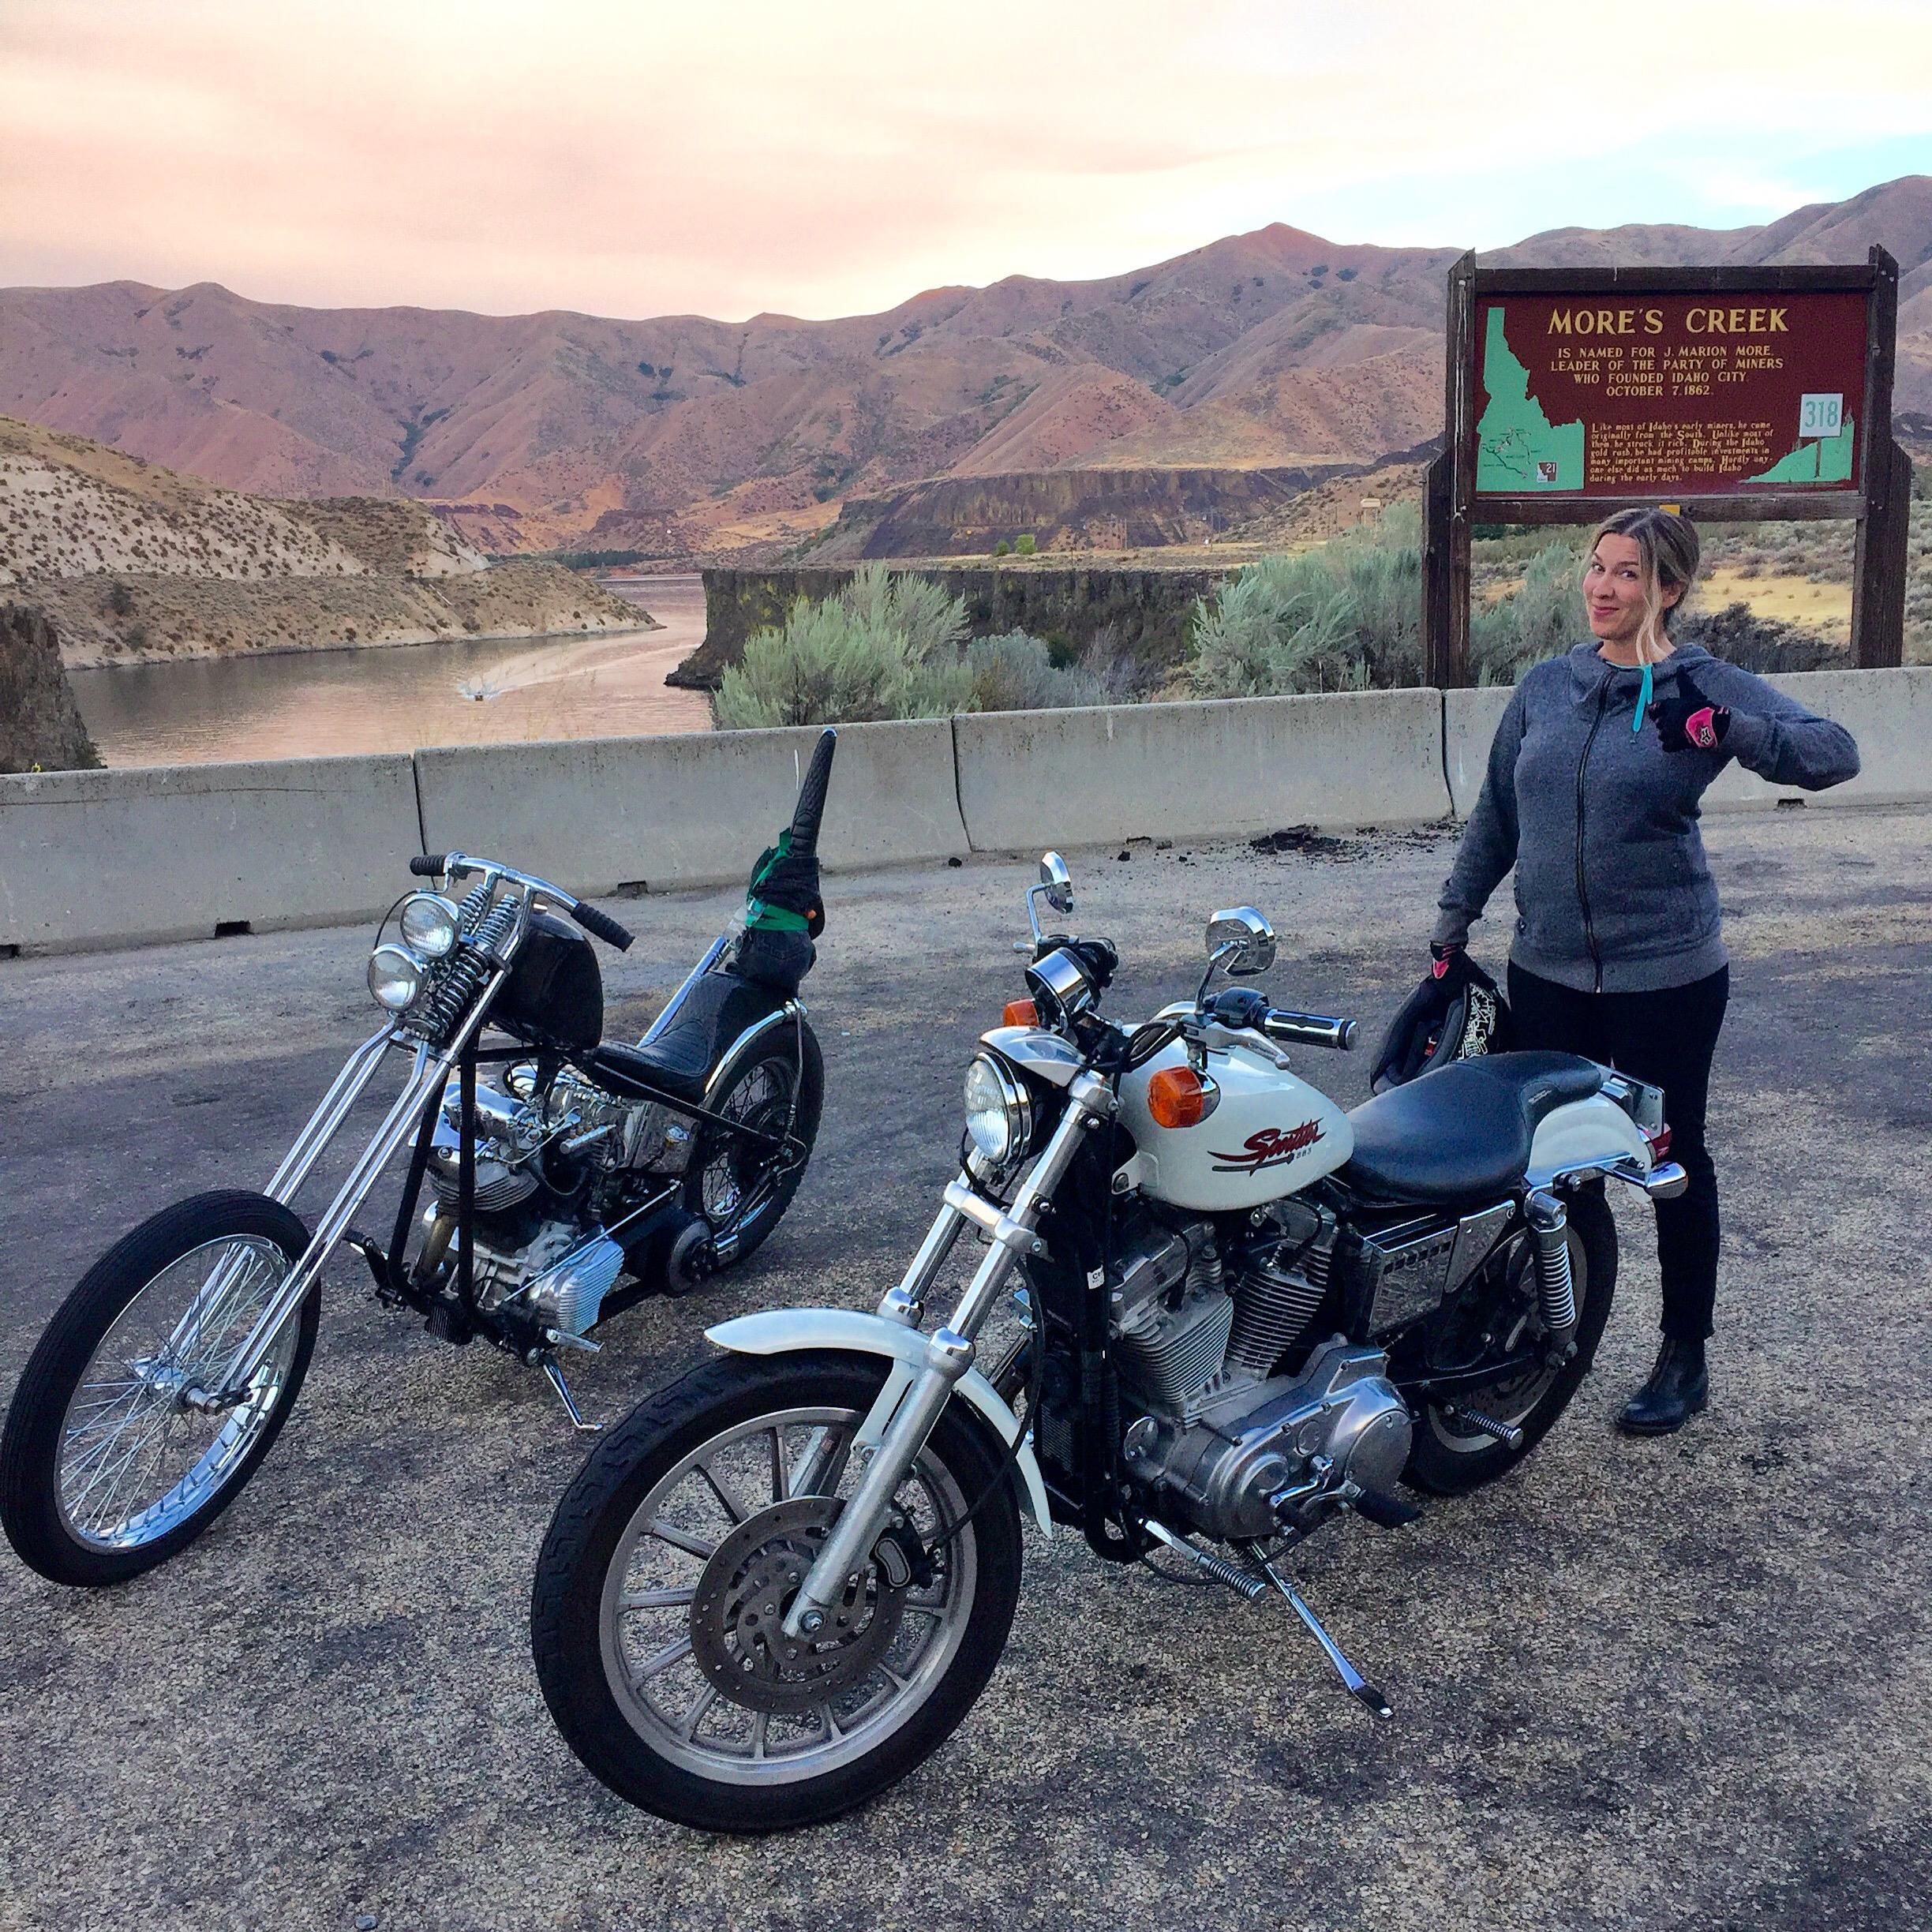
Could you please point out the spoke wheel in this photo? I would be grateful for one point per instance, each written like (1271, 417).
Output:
(114, 1456)
(660, 1596)
(742, 1187)
(1497, 1316)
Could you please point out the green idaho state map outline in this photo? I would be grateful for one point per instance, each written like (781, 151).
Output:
(1513, 435)
(1822, 459)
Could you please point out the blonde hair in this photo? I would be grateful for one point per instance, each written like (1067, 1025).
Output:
(1667, 550)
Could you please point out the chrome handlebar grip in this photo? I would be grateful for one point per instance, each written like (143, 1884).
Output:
(1310, 1029)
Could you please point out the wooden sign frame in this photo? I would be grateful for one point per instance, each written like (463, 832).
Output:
(1881, 504)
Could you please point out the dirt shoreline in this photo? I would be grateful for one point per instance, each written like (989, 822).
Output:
(136, 660)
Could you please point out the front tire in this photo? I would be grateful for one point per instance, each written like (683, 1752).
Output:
(105, 1470)
(671, 1557)
(1449, 1460)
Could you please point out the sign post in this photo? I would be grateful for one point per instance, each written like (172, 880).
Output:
(1735, 393)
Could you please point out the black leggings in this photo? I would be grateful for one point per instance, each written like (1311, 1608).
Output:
(1666, 1037)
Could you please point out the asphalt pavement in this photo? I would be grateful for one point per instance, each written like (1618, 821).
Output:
(1677, 1683)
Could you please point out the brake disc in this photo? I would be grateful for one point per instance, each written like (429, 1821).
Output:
(737, 1618)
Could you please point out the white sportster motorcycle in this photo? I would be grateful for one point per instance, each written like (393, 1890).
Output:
(780, 1583)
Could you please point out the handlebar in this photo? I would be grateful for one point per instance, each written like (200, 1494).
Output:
(1309, 1029)
(455, 865)
(1243, 1007)
(602, 924)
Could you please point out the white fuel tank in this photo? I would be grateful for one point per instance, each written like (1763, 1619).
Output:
(1270, 1134)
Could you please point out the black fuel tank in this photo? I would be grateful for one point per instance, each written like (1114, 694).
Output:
(554, 996)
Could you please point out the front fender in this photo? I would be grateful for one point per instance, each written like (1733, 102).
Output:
(784, 1331)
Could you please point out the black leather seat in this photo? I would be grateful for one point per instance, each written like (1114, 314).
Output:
(1464, 1130)
(719, 1008)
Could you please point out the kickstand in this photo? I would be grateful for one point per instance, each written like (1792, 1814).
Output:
(1357, 1686)
(570, 1406)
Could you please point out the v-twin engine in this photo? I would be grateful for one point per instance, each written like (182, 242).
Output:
(1236, 1450)
(550, 1165)
(1277, 1454)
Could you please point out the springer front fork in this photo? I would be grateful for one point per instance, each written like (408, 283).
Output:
(1011, 1234)
(428, 1072)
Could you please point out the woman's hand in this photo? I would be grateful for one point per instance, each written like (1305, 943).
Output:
(1689, 721)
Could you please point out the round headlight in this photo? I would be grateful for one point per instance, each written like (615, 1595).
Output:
(999, 1117)
(395, 977)
(429, 924)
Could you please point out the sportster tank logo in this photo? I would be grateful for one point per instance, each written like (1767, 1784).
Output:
(1270, 1147)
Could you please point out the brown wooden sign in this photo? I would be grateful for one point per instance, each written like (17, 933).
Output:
(1733, 393)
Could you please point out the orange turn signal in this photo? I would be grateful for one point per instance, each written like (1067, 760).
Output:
(1019, 1012)
(1176, 1098)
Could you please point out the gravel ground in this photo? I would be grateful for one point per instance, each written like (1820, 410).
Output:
(1665, 1684)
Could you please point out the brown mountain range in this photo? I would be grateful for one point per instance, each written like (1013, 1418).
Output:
(682, 435)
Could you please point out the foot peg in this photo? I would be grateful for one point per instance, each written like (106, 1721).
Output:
(555, 1376)
(1352, 1681)
(1386, 1512)
(1474, 1420)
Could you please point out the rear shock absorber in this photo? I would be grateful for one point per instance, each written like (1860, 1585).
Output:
(1550, 1228)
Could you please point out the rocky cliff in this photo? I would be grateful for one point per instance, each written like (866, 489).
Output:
(40, 724)
(1140, 614)
(134, 563)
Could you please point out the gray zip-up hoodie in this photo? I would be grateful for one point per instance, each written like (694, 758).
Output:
(1613, 894)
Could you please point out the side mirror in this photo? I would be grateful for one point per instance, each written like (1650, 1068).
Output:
(1241, 941)
(1056, 882)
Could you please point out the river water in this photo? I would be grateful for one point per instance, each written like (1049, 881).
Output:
(402, 696)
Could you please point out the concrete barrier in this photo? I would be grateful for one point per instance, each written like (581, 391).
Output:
(1241, 765)
(1470, 720)
(1890, 712)
(595, 814)
(101, 858)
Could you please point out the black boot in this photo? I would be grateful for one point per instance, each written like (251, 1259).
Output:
(1678, 1389)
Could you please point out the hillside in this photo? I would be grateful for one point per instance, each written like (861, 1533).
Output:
(684, 436)
(132, 561)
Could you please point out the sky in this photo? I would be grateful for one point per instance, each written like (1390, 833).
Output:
(630, 158)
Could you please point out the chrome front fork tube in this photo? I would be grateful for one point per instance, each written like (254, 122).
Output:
(357, 1072)
(949, 1350)
(320, 1128)
(425, 1076)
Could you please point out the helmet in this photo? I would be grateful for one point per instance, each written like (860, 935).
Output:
(1436, 1026)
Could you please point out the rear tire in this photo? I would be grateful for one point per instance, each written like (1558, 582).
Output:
(53, 1462)
(1445, 1461)
(658, 1733)
(732, 1187)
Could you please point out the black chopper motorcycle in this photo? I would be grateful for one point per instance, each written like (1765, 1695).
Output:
(567, 1176)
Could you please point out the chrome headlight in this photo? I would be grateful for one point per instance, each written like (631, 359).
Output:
(999, 1114)
(395, 977)
(430, 924)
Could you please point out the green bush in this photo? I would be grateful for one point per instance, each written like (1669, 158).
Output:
(1002, 549)
(890, 646)
(1017, 673)
(1541, 619)
(1025, 546)
(1342, 617)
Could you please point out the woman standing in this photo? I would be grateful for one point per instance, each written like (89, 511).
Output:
(1592, 793)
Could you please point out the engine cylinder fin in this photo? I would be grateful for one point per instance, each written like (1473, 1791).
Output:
(1273, 1306)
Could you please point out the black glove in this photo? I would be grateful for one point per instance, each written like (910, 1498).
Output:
(1411, 1037)
(1689, 721)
